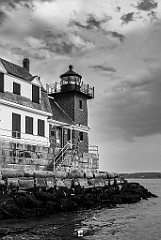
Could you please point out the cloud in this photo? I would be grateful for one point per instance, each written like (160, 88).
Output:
(91, 22)
(104, 68)
(130, 108)
(14, 3)
(118, 9)
(152, 15)
(3, 16)
(127, 17)
(117, 35)
(147, 5)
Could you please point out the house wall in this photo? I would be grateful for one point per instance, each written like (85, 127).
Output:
(6, 125)
(26, 87)
(81, 146)
(80, 115)
(69, 102)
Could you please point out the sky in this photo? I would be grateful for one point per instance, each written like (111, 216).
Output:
(115, 45)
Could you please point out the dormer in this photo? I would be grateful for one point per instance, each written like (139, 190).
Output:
(36, 89)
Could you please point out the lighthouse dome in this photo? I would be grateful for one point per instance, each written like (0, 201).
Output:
(70, 80)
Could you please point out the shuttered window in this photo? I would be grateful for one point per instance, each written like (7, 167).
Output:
(35, 94)
(16, 125)
(81, 136)
(80, 104)
(41, 128)
(68, 135)
(1, 82)
(29, 125)
(16, 88)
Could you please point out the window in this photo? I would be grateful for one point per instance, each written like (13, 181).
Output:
(16, 88)
(80, 104)
(29, 125)
(41, 128)
(52, 133)
(35, 94)
(16, 125)
(68, 135)
(1, 82)
(81, 136)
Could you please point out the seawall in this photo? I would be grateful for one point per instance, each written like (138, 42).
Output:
(22, 197)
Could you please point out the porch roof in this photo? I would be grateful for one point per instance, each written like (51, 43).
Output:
(59, 114)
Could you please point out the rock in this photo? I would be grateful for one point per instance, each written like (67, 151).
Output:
(45, 196)
(8, 208)
(68, 205)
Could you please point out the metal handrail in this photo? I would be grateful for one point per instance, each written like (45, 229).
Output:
(74, 147)
(62, 152)
(56, 88)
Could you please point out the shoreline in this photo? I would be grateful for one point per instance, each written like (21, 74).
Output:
(17, 204)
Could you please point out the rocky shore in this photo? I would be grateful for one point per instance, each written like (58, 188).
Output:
(16, 203)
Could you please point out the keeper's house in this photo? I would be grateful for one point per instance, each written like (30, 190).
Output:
(44, 130)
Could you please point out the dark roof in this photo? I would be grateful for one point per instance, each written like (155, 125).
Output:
(70, 72)
(44, 105)
(16, 70)
(59, 114)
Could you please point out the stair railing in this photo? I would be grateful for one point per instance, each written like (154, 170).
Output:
(62, 152)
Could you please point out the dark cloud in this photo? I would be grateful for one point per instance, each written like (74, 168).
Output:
(104, 68)
(131, 108)
(14, 3)
(152, 15)
(118, 9)
(128, 17)
(91, 23)
(3, 16)
(64, 48)
(147, 5)
(117, 35)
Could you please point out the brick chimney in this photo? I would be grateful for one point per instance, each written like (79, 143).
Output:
(26, 64)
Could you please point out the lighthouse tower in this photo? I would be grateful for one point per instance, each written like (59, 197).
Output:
(71, 94)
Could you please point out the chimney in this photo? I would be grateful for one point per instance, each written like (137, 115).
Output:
(26, 64)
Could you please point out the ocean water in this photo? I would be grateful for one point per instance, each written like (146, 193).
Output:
(139, 221)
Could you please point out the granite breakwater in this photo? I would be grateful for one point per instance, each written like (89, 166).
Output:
(78, 194)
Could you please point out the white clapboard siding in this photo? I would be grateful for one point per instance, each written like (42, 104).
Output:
(6, 125)
(25, 86)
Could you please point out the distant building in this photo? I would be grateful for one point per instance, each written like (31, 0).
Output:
(44, 130)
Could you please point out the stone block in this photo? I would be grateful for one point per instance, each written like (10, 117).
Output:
(41, 168)
(76, 174)
(12, 173)
(88, 174)
(29, 173)
(12, 182)
(40, 174)
(40, 182)
(68, 183)
(26, 184)
(41, 162)
(102, 175)
(61, 174)
(83, 182)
